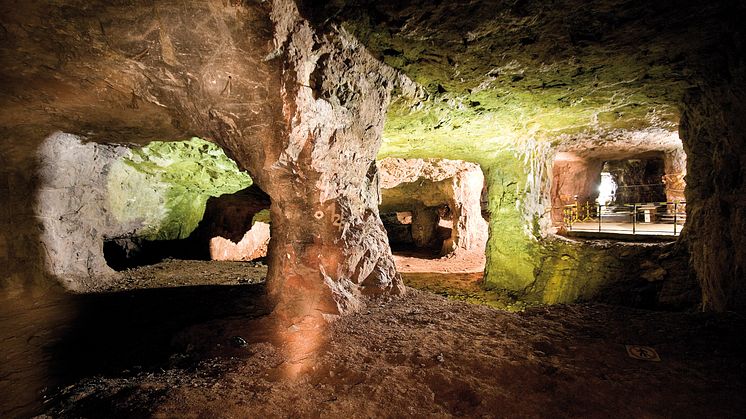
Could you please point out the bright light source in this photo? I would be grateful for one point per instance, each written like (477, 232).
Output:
(607, 189)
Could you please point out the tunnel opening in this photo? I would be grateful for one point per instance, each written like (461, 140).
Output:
(110, 208)
(432, 210)
(418, 231)
(235, 227)
(620, 197)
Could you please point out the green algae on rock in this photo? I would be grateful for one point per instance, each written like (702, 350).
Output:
(164, 186)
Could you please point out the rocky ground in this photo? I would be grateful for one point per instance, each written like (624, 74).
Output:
(181, 273)
(210, 351)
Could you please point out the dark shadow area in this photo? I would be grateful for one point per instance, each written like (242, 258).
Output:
(635, 180)
(228, 216)
(424, 239)
(84, 335)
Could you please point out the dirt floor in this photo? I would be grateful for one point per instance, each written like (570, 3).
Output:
(210, 351)
(466, 262)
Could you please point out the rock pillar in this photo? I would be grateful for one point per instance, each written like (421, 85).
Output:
(328, 244)
(424, 225)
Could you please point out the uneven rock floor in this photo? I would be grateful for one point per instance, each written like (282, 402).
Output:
(176, 352)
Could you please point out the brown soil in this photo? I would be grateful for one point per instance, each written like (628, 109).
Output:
(464, 262)
(176, 352)
(180, 273)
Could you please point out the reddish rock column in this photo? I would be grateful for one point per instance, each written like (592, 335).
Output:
(328, 244)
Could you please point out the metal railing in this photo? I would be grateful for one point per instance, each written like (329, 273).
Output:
(637, 218)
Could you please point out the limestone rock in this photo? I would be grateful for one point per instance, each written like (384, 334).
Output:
(252, 246)
(300, 108)
(423, 186)
(714, 133)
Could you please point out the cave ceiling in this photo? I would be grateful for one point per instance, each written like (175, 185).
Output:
(496, 73)
(492, 73)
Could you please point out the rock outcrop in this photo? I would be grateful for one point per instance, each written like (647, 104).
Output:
(328, 243)
(253, 245)
(574, 179)
(714, 133)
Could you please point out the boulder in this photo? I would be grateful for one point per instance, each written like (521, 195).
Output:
(252, 246)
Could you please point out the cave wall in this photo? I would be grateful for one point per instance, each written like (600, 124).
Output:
(524, 257)
(638, 180)
(713, 129)
(89, 192)
(574, 179)
(292, 103)
(648, 275)
(674, 162)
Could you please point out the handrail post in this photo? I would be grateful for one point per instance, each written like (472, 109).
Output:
(675, 215)
(634, 218)
(599, 218)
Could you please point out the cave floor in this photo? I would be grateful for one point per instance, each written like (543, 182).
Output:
(175, 352)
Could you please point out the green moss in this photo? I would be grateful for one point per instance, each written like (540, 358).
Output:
(163, 188)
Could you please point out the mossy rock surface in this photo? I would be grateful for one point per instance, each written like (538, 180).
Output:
(164, 186)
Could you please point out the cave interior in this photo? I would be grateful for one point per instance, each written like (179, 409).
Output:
(358, 208)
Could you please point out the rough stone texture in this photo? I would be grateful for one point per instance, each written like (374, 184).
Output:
(674, 162)
(633, 274)
(713, 128)
(253, 245)
(290, 103)
(637, 180)
(422, 186)
(328, 243)
(499, 78)
(127, 73)
(574, 179)
(72, 208)
(79, 204)
(165, 186)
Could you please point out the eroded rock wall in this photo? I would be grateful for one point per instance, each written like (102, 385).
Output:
(638, 180)
(328, 243)
(574, 179)
(647, 275)
(73, 211)
(674, 162)
(89, 192)
(525, 258)
(713, 129)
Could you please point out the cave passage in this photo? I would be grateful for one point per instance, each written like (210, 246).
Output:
(182, 200)
(618, 199)
(294, 208)
(432, 211)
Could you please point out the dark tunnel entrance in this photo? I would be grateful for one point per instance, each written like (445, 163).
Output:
(432, 210)
(224, 233)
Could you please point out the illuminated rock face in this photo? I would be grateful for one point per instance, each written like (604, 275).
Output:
(253, 245)
(301, 105)
(92, 192)
(301, 110)
(328, 243)
(574, 179)
(423, 186)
